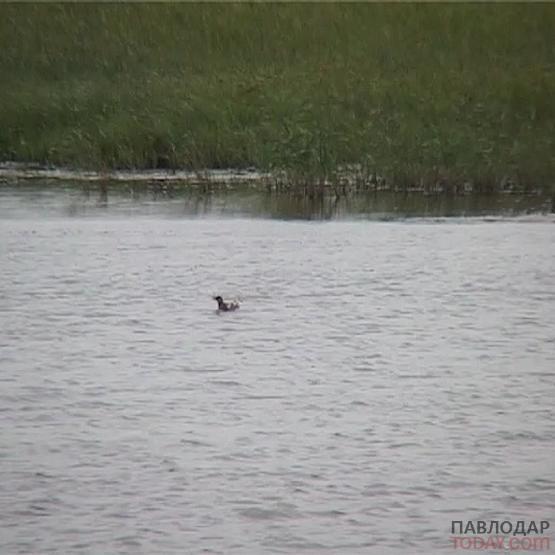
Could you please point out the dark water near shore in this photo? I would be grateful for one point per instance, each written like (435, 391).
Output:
(381, 378)
(171, 200)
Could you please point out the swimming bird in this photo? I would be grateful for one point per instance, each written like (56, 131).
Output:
(226, 307)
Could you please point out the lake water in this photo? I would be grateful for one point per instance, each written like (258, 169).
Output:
(384, 376)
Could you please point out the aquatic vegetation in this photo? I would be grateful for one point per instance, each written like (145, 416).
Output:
(431, 96)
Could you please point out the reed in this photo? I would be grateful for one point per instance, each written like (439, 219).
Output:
(414, 93)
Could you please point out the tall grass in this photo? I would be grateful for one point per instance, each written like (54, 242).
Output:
(408, 91)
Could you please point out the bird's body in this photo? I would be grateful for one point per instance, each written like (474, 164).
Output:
(226, 307)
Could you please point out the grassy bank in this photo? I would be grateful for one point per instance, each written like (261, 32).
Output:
(411, 92)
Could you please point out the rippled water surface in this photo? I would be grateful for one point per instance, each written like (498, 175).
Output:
(380, 380)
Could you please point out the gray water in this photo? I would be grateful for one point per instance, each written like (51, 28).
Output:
(381, 379)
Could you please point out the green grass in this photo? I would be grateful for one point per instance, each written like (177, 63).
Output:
(409, 91)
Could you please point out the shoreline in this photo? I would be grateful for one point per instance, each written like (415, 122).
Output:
(348, 182)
